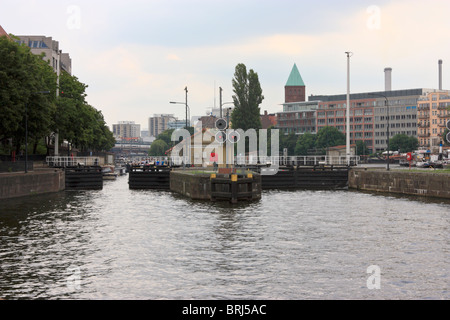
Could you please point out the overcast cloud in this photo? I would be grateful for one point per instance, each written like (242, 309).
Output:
(136, 55)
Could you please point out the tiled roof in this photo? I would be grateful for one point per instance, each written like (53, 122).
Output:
(3, 32)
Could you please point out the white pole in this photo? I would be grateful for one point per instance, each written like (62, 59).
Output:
(349, 54)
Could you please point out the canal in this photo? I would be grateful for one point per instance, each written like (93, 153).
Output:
(118, 243)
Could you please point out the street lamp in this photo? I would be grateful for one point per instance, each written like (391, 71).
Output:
(387, 110)
(187, 107)
(26, 129)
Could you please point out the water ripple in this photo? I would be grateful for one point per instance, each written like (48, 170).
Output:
(118, 243)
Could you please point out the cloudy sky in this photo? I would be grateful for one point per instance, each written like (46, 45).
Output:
(138, 55)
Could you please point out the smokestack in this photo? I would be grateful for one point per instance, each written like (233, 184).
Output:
(388, 79)
(440, 74)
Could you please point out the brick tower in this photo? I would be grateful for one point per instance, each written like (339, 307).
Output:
(294, 90)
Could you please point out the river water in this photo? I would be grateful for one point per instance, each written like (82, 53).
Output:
(118, 243)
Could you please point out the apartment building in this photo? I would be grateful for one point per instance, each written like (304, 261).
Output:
(433, 113)
(55, 57)
(126, 129)
(298, 117)
(159, 123)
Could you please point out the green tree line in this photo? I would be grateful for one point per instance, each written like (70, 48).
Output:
(28, 88)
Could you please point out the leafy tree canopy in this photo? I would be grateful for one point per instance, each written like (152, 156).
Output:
(247, 98)
(329, 137)
(158, 148)
(304, 143)
(403, 143)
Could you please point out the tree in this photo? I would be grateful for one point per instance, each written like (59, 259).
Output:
(361, 148)
(247, 98)
(403, 143)
(23, 76)
(305, 142)
(158, 148)
(77, 121)
(23, 79)
(329, 137)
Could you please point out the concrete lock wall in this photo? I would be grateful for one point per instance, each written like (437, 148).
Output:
(197, 187)
(32, 183)
(427, 184)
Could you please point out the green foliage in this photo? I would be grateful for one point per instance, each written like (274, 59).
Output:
(166, 136)
(329, 137)
(289, 142)
(158, 148)
(247, 98)
(361, 148)
(403, 143)
(304, 143)
(23, 78)
(77, 121)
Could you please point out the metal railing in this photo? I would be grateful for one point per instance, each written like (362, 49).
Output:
(283, 160)
(298, 160)
(63, 162)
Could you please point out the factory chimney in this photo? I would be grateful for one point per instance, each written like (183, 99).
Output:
(388, 79)
(440, 74)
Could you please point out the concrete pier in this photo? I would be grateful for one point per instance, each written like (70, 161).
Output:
(212, 186)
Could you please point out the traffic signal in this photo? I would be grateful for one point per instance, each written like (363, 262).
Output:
(221, 137)
(234, 137)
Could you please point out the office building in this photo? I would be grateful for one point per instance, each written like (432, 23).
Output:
(55, 57)
(369, 116)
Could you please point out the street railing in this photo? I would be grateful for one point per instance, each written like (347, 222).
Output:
(63, 162)
(283, 160)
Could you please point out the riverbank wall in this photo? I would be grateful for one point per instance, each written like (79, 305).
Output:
(427, 183)
(14, 185)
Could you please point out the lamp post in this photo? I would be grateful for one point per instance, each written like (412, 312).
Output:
(186, 104)
(387, 110)
(26, 129)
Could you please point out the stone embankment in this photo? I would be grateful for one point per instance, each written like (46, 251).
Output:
(14, 185)
(427, 183)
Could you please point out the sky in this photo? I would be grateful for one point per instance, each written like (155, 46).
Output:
(136, 56)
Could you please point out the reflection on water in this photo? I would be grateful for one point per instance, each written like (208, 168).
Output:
(118, 243)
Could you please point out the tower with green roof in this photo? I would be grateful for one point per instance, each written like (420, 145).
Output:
(295, 90)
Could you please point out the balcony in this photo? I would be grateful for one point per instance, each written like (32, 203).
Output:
(445, 115)
(424, 135)
(425, 116)
(423, 125)
(424, 107)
